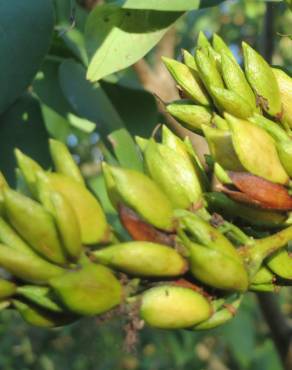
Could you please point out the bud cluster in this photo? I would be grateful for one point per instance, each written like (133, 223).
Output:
(189, 252)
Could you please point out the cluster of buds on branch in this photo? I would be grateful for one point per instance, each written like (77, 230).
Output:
(191, 249)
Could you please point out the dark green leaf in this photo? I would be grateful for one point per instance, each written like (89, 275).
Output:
(25, 34)
(88, 100)
(116, 38)
(21, 126)
(55, 107)
(137, 108)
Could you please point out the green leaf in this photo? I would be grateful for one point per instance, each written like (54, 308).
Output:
(25, 35)
(88, 100)
(125, 150)
(116, 38)
(55, 107)
(21, 126)
(82, 124)
(168, 5)
(137, 108)
(165, 5)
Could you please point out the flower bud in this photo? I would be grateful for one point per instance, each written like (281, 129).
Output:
(221, 148)
(29, 169)
(92, 290)
(174, 173)
(188, 80)
(91, 218)
(189, 115)
(263, 81)
(64, 162)
(208, 70)
(173, 307)
(142, 258)
(281, 264)
(256, 150)
(139, 192)
(235, 80)
(221, 315)
(27, 267)
(285, 85)
(229, 101)
(213, 259)
(221, 48)
(189, 60)
(38, 316)
(7, 289)
(35, 225)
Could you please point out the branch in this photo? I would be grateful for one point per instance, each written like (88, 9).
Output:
(281, 330)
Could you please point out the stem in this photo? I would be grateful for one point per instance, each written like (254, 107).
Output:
(281, 331)
(262, 248)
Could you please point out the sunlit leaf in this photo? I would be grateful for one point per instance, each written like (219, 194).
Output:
(116, 38)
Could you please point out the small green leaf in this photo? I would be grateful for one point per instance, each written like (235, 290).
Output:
(81, 123)
(116, 38)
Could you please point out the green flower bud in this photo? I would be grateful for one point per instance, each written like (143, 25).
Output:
(7, 289)
(281, 264)
(172, 307)
(189, 60)
(35, 225)
(27, 267)
(67, 225)
(9, 237)
(221, 148)
(139, 192)
(189, 115)
(29, 169)
(256, 150)
(285, 85)
(92, 290)
(174, 174)
(271, 127)
(229, 101)
(213, 259)
(263, 81)
(221, 48)
(188, 80)
(235, 80)
(221, 315)
(142, 259)
(263, 276)
(41, 296)
(91, 218)
(64, 162)
(38, 316)
(208, 70)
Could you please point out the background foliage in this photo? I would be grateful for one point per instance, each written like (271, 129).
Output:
(63, 73)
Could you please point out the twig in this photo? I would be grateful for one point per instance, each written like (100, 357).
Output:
(281, 331)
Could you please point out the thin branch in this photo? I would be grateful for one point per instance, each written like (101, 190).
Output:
(281, 330)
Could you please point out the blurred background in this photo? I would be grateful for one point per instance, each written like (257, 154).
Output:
(243, 344)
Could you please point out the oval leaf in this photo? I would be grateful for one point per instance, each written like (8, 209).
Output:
(173, 5)
(25, 35)
(166, 5)
(116, 38)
